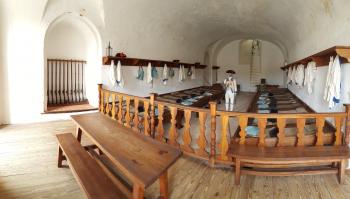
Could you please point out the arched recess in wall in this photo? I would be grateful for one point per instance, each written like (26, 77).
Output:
(271, 58)
(71, 37)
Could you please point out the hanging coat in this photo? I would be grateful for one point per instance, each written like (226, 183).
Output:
(299, 75)
(119, 79)
(327, 85)
(310, 76)
(165, 74)
(181, 73)
(294, 71)
(149, 74)
(333, 83)
(193, 69)
(113, 74)
(289, 75)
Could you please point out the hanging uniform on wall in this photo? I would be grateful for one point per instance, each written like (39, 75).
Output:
(310, 76)
(112, 73)
(333, 82)
(165, 74)
(120, 79)
(299, 75)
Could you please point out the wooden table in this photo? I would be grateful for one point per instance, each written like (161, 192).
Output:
(141, 159)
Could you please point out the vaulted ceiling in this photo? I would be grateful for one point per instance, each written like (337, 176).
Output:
(298, 27)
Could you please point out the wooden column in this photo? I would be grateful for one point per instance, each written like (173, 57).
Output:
(212, 133)
(347, 124)
(99, 96)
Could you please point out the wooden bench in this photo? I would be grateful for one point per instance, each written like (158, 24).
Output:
(254, 155)
(92, 179)
(139, 158)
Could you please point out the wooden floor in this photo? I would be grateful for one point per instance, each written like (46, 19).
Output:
(28, 155)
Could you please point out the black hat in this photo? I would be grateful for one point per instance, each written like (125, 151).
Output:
(231, 72)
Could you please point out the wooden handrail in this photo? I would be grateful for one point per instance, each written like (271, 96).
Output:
(153, 115)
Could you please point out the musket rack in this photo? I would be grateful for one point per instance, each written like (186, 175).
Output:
(144, 62)
(322, 58)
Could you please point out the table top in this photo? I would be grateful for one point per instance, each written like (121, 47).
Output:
(142, 159)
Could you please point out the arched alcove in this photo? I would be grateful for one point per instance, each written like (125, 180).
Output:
(271, 59)
(72, 37)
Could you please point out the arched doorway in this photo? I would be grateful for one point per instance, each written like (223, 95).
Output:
(72, 55)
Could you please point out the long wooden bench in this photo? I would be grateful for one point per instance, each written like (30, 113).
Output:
(334, 155)
(91, 177)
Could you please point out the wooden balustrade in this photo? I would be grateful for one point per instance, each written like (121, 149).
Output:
(204, 133)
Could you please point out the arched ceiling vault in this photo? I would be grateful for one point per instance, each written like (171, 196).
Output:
(298, 27)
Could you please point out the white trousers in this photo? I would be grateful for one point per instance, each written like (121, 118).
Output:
(229, 100)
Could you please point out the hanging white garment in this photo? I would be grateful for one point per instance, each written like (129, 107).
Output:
(327, 85)
(293, 75)
(310, 76)
(333, 83)
(120, 79)
(193, 69)
(290, 71)
(299, 75)
(165, 74)
(184, 74)
(113, 74)
(181, 73)
(149, 73)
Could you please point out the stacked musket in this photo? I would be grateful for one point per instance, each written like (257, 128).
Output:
(65, 81)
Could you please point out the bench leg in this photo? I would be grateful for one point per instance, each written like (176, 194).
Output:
(341, 171)
(237, 172)
(138, 192)
(79, 133)
(60, 157)
(163, 185)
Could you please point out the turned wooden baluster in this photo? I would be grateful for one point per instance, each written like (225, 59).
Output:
(152, 114)
(187, 134)
(100, 103)
(146, 125)
(107, 103)
(281, 124)
(202, 141)
(300, 134)
(347, 125)
(320, 123)
(160, 128)
(102, 106)
(136, 114)
(338, 134)
(262, 127)
(127, 114)
(172, 131)
(224, 142)
(120, 109)
(113, 106)
(243, 121)
(212, 133)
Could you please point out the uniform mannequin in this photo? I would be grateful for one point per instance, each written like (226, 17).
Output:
(231, 90)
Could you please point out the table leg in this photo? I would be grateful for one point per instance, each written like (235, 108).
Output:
(163, 184)
(341, 171)
(238, 172)
(60, 157)
(79, 133)
(138, 192)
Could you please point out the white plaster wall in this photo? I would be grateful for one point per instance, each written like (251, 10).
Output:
(315, 100)
(271, 61)
(140, 88)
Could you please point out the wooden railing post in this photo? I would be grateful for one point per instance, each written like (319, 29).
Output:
(347, 124)
(212, 133)
(99, 96)
(152, 113)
